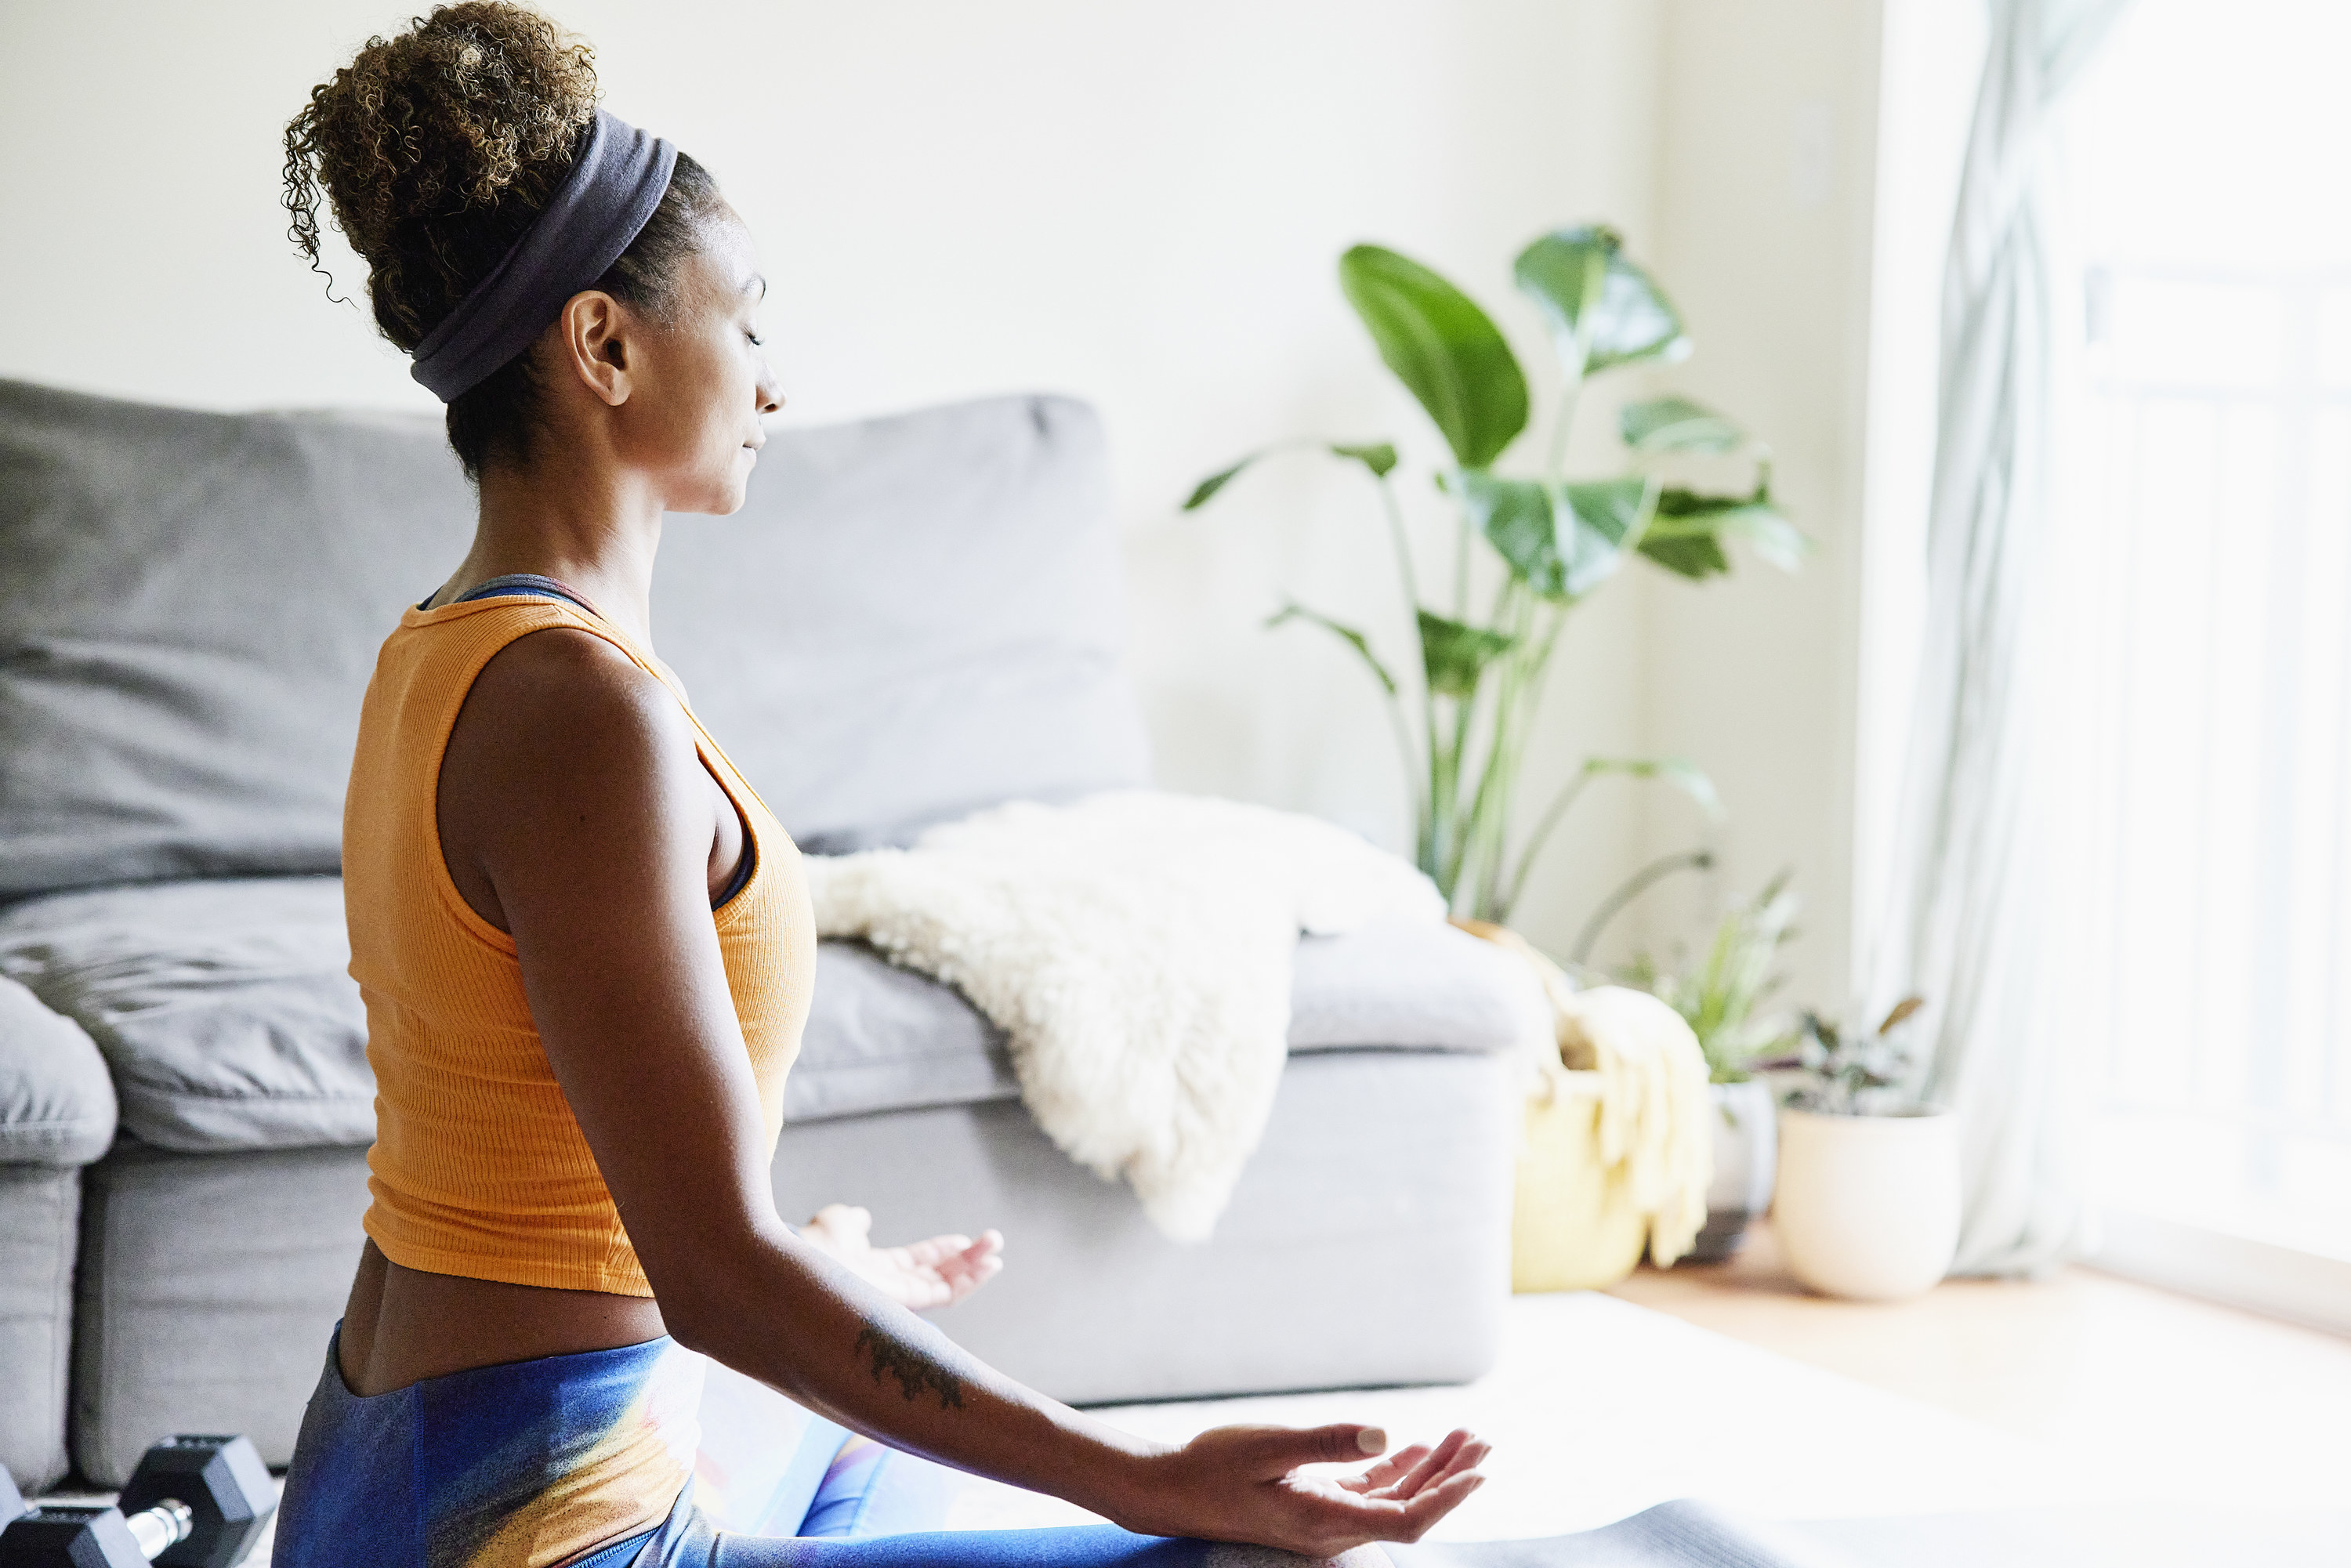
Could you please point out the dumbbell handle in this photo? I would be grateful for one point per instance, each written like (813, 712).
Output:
(159, 1528)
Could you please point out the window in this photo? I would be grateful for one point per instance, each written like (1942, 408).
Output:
(2201, 579)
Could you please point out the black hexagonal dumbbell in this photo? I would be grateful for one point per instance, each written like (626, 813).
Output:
(192, 1502)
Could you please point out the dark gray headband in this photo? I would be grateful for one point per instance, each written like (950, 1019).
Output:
(603, 204)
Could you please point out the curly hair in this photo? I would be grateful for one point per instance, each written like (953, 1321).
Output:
(434, 151)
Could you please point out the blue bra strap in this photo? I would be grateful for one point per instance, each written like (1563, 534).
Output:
(523, 584)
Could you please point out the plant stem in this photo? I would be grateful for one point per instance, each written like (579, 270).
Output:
(1569, 794)
(1420, 795)
(1403, 545)
(1514, 724)
(1477, 829)
(1566, 797)
(1470, 831)
(1442, 862)
(1453, 824)
(1562, 426)
(1461, 566)
(1632, 887)
(1518, 687)
(1653, 488)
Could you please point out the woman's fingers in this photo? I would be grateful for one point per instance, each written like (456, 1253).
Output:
(972, 1263)
(1434, 1503)
(1459, 1450)
(1387, 1472)
(935, 1252)
(939, 1251)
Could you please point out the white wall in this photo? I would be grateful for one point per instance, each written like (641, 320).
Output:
(1766, 200)
(1141, 204)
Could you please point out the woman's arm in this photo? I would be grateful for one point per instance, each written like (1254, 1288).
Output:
(584, 803)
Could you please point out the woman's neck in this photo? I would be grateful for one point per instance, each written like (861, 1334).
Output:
(591, 527)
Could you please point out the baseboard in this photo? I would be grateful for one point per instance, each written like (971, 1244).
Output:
(2312, 1288)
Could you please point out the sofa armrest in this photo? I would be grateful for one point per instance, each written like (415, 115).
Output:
(57, 1102)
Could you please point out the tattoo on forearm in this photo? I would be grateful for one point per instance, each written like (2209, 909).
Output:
(916, 1370)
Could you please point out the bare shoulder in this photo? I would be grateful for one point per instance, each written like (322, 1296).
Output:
(567, 759)
(563, 691)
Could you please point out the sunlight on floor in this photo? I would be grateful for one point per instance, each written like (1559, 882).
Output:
(2147, 1391)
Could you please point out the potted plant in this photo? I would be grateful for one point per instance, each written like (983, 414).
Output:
(1725, 1001)
(1868, 1204)
(1464, 708)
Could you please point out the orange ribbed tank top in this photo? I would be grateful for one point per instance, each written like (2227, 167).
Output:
(478, 1167)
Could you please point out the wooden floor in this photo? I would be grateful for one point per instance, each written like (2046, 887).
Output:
(2226, 1406)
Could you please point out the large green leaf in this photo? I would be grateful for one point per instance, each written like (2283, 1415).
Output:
(1605, 512)
(1379, 457)
(1353, 637)
(1604, 310)
(1562, 544)
(1516, 516)
(1455, 655)
(1443, 348)
(1688, 530)
(1677, 424)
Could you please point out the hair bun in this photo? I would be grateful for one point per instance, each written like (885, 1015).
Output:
(435, 149)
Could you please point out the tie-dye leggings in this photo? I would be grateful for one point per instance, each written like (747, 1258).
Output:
(620, 1459)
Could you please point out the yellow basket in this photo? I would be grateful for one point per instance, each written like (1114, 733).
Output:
(1573, 1226)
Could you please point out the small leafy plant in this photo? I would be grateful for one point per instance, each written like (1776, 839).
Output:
(1480, 678)
(1724, 997)
(1854, 1070)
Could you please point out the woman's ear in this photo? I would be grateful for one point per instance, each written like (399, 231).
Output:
(596, 348)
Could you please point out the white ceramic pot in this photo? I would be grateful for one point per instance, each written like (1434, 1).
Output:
(1868, 1206)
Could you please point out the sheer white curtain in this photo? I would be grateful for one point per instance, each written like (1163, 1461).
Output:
(1967, 889)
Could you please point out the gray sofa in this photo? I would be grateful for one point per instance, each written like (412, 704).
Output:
(912, 617)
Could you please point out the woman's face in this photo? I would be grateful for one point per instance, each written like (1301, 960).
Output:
(703, 382)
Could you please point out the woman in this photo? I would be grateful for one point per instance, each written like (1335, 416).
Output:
(585, 944)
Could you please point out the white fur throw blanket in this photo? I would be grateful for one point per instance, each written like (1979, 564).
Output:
(1135, 947)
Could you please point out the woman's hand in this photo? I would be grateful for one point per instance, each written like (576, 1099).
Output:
(1241, 1483)
(935, 1273)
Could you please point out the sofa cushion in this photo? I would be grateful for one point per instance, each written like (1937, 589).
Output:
(57, 1103)
(910, 617)
(193, 604)
(222, 1007)
(880, 1038)
(1407, 984)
